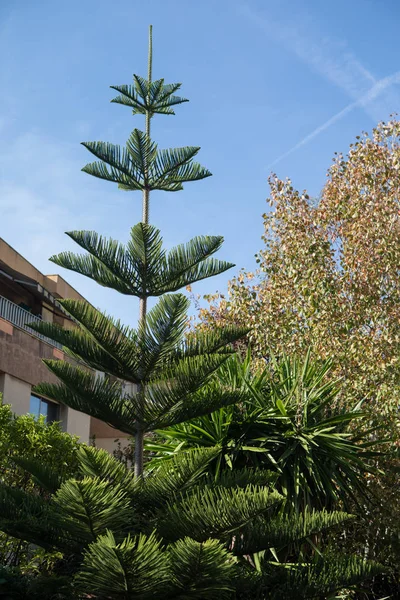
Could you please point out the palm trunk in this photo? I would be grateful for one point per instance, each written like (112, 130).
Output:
(139, 437)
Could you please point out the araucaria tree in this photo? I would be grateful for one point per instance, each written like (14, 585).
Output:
(174, 533)
(168, 373)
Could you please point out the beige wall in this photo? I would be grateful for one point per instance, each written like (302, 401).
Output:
(47, 313)
(58, 286)
(22, 354)
(21, 367)
(99, 429)
(76, 423)
(18, 393)
(104, 435)
(110, 444)
(17, 262)
(15, 392)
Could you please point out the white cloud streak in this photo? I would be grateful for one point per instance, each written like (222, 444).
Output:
(332, 59)
(379, 88)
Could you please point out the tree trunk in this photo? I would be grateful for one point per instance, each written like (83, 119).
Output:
(139, 436)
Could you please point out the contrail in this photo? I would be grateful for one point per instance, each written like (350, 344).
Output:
(373, 93)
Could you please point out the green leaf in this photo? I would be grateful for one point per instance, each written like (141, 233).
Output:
(101, 342)
(129, 167)
(281, 407)
(172, 478)
(322, 577)
(187, 263)
(143, 268)
(163, 330)
(106, 262)
(43, 475)
(98, 463)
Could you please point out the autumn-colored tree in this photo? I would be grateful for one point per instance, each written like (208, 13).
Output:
(328, 278)
(329, 273)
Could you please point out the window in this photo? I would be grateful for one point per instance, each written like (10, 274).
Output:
(39, 406)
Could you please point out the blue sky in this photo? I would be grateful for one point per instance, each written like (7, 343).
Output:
(273, 85)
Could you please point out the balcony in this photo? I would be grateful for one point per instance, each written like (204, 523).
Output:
(19, 317)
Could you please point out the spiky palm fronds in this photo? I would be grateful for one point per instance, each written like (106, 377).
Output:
(286, 423)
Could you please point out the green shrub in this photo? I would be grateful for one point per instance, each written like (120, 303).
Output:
(26, 437)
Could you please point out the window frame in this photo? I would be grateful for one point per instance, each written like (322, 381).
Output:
(54, 408)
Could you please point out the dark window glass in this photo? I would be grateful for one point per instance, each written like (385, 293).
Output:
(38, 407)
(52, 412)
(44, 408)
(34, 407)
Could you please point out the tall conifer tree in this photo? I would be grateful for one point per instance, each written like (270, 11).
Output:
(168, 371)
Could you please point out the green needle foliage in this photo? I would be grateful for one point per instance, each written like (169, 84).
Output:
(145, 97)
(143, 268)
(170, 372)
(178, 537)
(141, 166)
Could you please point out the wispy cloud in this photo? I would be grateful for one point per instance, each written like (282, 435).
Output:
(330, 57)
(333, 60)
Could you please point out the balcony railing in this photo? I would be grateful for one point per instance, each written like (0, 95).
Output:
(20, 317)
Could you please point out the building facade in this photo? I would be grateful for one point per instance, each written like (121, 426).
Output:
(26, 295)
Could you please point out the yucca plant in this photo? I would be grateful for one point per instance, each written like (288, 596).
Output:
(175, 534)
(289, 422)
